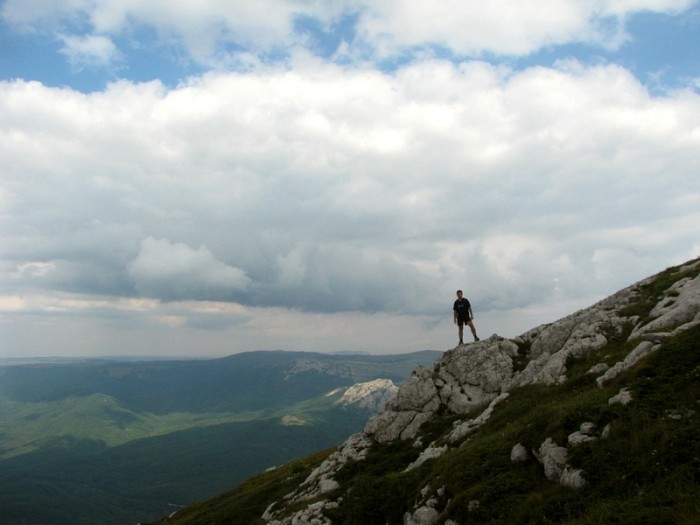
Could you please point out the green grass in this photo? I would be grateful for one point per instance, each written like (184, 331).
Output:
(246, 503)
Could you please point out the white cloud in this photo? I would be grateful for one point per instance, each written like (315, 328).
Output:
(175, 271)
(473, 28)
(89, 51)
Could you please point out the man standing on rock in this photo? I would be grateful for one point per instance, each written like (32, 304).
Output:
(463, 314)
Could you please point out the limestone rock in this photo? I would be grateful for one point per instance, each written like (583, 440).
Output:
(572, 478)
(422, 516)
(391, 425)
(431, 452)
(553, 458)
(641, 350)
(372, 395)
(426, 513)
(311, 515)
(679, 308)
(585, 433)
(598, 369)
(574, 336)
(418, 393)
(320, 481)
(623, 397)
(519, 453)
(462, 430)
(462, 379)
(470, 375)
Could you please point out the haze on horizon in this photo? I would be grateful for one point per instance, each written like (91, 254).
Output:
(200, 181)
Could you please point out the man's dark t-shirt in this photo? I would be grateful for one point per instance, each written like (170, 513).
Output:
(462, 308)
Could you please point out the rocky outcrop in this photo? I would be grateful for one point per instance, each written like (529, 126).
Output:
(426, 512)
(465, 428)
(556, 468)
(464, 378)
(317, 484)
(678, 310)
(585, 433)
(623, 397)
(551, 346)
(372, 395)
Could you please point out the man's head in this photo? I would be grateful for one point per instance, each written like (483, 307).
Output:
(459, 293)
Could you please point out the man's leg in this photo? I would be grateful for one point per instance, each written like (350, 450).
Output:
(461, 330)
(471, 325)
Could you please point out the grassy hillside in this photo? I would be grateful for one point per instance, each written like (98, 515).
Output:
(119, 442)
(646, 471)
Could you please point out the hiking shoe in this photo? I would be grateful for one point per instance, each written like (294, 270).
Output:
(476, 339)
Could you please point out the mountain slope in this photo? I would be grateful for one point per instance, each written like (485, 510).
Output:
(591, 419)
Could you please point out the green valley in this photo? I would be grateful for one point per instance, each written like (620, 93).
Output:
(113, 442)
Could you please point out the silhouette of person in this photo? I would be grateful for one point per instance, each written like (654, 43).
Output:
(463, 314)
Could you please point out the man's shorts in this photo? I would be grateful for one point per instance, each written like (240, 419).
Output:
(461, 321)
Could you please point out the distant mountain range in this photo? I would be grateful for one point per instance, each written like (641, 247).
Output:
(592, 419)
(113, 442)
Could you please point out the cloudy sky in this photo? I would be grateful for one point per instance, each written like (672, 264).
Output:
(204, 178)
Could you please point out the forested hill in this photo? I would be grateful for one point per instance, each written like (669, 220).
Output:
(108, 442)
(246, 381)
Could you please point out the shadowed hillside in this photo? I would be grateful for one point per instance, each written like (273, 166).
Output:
(591, 419)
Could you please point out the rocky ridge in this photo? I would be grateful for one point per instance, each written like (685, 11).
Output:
(475, 378)
(371, 395)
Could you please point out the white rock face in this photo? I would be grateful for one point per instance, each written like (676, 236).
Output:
(471, 375)
(392, 425)
(553, 458)
(372, 395)
(574, 336)
(463, 379)
(679, 309)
